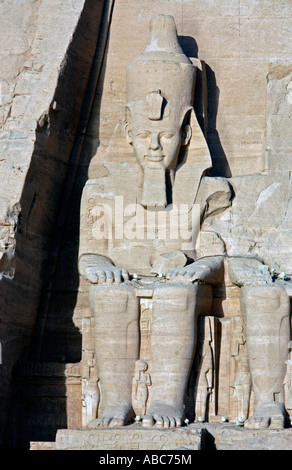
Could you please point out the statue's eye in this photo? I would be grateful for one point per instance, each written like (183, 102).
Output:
(167, 135)
(143, 135)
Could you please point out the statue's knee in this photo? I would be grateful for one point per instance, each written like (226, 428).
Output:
(175, 296)
(204, 299)
(184, 289)
(114, 299)
(264, 299)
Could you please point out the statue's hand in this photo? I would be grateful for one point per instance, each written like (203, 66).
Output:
(106, 275)
(191, 273)
(99, 269)
(209, 270)
(251, 277)
(248, 272)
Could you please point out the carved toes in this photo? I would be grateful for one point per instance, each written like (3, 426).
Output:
(161, 421)
(257, 422)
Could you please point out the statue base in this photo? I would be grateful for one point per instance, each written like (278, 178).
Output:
(229, 436)
(197, 436)
(132, 437)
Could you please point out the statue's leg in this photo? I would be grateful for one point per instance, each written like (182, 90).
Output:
(267, 334)
(173, 338)
(116, 336)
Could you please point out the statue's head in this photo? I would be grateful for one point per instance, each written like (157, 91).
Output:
(157, 129)
(160, 85)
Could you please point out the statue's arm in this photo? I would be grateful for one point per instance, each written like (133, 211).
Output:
(99, 269)
(91, 260)
(209, 269)
(148, 382)
(247, 271)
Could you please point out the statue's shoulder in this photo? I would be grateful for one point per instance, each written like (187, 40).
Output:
(213, 184)
(98, 183)
(216, 193)
(96, 189)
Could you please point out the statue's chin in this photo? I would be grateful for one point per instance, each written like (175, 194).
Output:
(154, 162)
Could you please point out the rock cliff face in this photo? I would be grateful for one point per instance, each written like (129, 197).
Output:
(36, 50)
(48, 49)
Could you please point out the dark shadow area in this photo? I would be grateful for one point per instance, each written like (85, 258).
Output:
(39, 403)
(189, 46)
(219, 160)
(198, 375)
(208, 441)
(206, 102)
(91, 140)
(56, 336)
(218, 339)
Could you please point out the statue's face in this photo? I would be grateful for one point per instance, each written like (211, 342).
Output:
(156, 143)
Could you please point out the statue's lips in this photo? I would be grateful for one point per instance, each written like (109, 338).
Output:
(154, 158)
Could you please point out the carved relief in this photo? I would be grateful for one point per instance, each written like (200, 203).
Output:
(203, 369)
(240, 374)
(142, 381)
(90, 395)
(288, 385)
(145, 327)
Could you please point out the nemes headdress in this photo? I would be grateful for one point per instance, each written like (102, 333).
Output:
(162, 75)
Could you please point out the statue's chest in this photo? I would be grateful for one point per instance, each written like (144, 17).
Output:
(135, 223)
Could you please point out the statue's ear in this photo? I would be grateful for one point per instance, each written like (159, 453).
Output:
(186, 129)
(128, 132)
(186, 134)
(128, 126)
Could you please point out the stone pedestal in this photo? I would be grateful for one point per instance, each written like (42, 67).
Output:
(231, 437)
(205, 436)
(133, 437)
(42, 445)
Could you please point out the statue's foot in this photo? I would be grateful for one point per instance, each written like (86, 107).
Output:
(163, 416)
(270, 415)
(113, 416)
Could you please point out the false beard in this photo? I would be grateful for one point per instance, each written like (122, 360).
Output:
(154, 187)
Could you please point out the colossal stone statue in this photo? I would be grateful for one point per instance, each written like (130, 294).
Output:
(257, 235)
(141, 244)
(265, 307)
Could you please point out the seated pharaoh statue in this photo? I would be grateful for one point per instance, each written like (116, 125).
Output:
(257, 236)
(141, 240)
(265, 307)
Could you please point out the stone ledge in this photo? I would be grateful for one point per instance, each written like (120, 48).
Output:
(42, 445)
(132, 437)
(231, 437)
(204, 436)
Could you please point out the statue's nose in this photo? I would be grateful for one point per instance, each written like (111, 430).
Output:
(155, 143)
